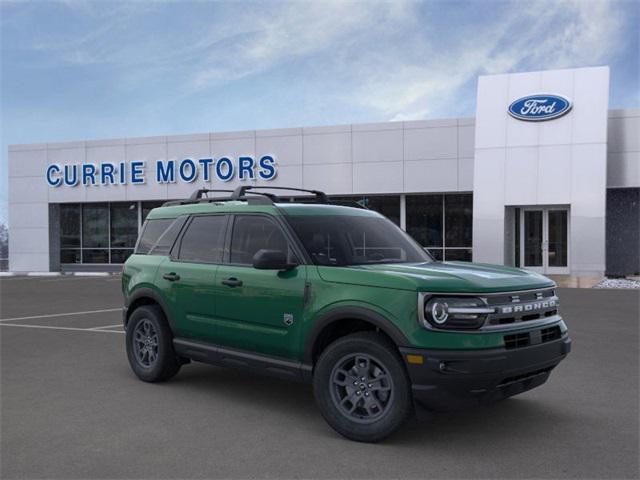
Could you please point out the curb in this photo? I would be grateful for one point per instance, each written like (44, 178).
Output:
(58, 274)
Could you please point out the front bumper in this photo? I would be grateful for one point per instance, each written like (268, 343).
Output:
(453, 379)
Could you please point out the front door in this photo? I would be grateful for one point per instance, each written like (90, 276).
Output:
(544, 235)
(258, 310)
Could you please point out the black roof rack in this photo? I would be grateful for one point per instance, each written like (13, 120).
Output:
(246, 192)
(321, 197)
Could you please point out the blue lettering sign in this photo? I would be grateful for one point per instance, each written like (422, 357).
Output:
(220, 172)
(165, 173)
(137, 173)
(267, 168)
(188, 170)
(106, 173)
(51, 180)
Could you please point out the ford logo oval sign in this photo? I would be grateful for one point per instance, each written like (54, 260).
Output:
(536, 108)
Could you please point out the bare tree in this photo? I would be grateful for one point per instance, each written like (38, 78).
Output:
(4, 241)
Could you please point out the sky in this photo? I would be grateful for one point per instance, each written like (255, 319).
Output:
(75, 70)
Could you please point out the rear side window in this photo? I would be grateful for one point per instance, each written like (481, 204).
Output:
(203, 242)
(252, 233)
(159, 235)
(151, 232)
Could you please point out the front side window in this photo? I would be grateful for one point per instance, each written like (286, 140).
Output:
(252, 233)
(341, 240)
(203, 242)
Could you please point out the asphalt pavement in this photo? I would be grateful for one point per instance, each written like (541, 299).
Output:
(71, 407)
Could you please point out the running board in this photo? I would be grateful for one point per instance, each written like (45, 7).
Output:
(227, 357)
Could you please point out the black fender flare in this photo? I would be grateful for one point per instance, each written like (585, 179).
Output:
(146, 292)
(352, 313)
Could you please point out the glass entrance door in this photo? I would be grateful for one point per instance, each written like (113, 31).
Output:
(544, 245)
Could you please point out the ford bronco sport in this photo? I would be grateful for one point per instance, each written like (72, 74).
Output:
(337, 296)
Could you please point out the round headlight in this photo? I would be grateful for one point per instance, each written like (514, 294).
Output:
(457, 313)
(439, 311)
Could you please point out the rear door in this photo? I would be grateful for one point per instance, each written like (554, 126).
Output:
(259, 310)
(188, 276)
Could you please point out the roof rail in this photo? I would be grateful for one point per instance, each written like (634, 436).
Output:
(197, 195)
(321, 197)
(245, 193)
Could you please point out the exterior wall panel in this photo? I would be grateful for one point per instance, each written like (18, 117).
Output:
(568, 161)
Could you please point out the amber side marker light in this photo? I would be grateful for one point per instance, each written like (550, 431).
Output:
(415, 359)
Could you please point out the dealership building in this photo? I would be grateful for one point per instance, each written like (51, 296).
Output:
(545, 177)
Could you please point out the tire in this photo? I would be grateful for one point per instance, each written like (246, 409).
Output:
(151, 357)
(369, 410)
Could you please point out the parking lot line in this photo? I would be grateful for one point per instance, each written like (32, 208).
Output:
(107, 326)
(51, 315)
(49, 327)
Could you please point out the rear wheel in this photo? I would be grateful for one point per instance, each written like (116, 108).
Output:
(150, 345)
(362, 388)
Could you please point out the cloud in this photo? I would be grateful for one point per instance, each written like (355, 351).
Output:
(401, 59)
(534, 35)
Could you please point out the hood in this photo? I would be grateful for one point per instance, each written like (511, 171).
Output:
(461, 277)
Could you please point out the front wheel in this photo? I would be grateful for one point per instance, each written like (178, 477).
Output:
(362, 388)
(150, 345)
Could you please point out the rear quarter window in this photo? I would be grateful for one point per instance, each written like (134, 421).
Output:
(158, 235)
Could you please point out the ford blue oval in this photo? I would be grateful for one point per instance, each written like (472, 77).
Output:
(536, 108)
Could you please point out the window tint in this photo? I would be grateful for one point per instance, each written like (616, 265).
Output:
(458, 220)
(387, 205)
(204, 239)
(124, 225)
(253, 233)
(424, 219)
(151, 233)
(167, 239)
(95, 228)
(339, 240)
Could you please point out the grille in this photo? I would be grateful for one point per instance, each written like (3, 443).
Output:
(522, 307)
(520, 340)
(523, 377)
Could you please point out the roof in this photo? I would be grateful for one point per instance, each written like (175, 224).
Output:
(278, 208)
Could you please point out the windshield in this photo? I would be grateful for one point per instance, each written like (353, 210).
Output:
(339, 240)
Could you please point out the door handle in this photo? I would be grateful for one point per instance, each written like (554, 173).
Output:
(172, 277)
(232, 282)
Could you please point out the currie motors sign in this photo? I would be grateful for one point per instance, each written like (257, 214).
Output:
(540, 107)
(164, 171)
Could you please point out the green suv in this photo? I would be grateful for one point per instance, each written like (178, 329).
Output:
(337, 296)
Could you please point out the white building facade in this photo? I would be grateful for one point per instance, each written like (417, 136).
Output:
(545, 177)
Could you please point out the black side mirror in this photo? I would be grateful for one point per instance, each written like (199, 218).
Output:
(271, 260)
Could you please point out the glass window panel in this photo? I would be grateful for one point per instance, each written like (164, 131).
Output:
(557, 238)
(457, 254)
(151, 232)
(120, 255)
(70, 255)
(338, 240)
(253, 233)
(148, 206)
(69, 225)
(424, 219)
(95, 255)
(517, 238)
(436, 253)
(458, 220)
(204, 239)
(387, 205)
(124, 225)
(95, 225)
(167, 239)
(533, 238)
